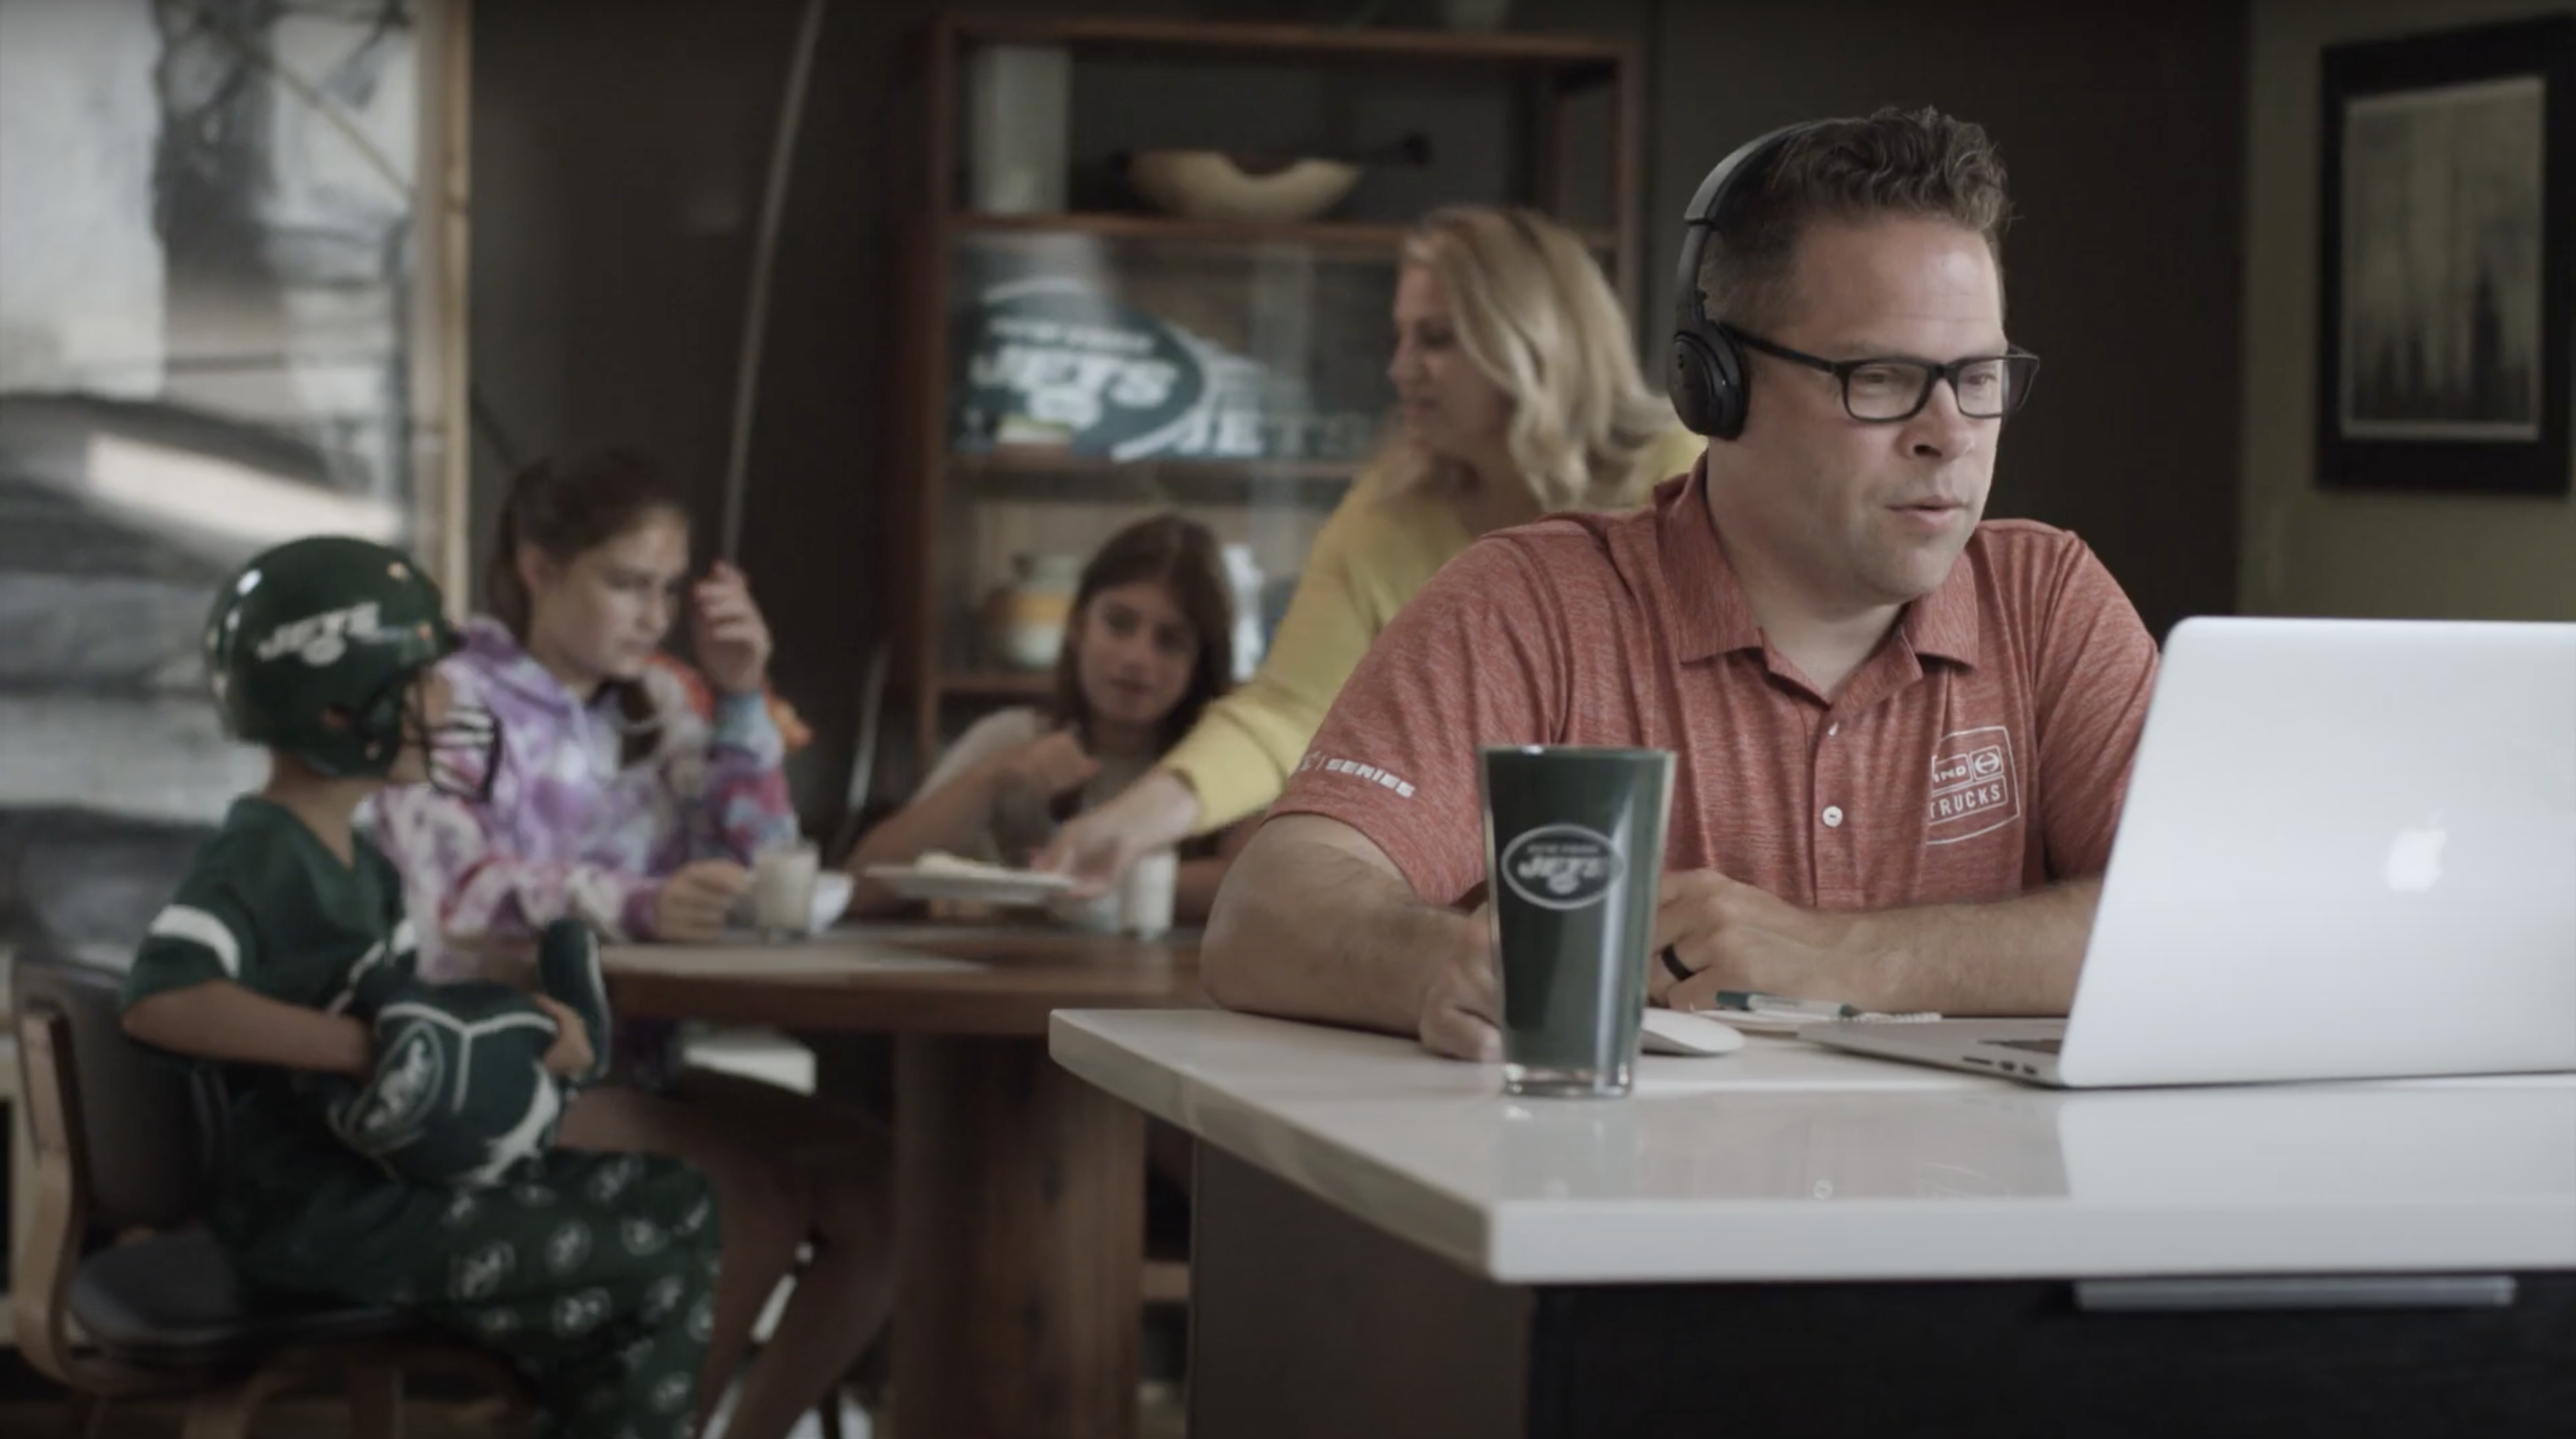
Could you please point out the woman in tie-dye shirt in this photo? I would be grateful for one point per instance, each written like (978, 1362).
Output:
(618, 804)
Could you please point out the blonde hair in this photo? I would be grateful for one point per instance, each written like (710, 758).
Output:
(1534, 314)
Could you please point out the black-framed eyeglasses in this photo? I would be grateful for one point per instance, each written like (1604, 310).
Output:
(1882, 391)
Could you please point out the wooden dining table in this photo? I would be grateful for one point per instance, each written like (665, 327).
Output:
(1019, 1189)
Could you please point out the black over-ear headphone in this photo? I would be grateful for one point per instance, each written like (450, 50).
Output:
(1706, 377)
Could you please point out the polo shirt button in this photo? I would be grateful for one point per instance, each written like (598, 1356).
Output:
(1832, 730)
(1833, 816)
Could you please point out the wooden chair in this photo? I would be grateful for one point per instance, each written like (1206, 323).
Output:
(126, 1142)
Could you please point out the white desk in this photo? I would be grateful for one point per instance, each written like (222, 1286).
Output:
(1345, 1175)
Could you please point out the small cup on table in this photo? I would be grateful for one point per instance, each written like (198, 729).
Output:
(1146, 896)
(782, 890)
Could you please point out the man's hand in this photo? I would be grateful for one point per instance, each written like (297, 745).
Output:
(1462, 1007)
(695, 900)
(571, 1053)
(1736, 937)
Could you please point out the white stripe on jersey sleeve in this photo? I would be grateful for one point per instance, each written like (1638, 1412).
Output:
(180, 921)
(374, 956)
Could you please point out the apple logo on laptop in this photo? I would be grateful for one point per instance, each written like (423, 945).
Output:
(2415, 857)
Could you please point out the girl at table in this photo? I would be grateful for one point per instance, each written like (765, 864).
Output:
(1520, 395)
(1148, 648)
(616, 803)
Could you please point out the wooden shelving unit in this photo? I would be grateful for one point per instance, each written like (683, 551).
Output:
(939, 543)
(1239, 43)
(1317, 233)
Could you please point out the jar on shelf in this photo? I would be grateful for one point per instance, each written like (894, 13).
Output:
(1024, 620)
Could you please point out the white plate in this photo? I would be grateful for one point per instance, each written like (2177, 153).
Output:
(1014, 887)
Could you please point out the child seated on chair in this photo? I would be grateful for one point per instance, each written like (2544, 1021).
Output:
(1148, 647)
(624, 805)
(593, 1272)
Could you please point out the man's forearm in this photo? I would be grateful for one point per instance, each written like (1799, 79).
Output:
(2015, 956)
(1194, 888)
(1306, 931)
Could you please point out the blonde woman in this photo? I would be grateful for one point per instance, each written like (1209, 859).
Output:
(1520, 397)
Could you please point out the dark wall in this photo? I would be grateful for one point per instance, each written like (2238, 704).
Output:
(620, 146)
(2124, 132)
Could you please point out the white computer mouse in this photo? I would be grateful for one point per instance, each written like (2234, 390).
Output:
(1671, 1031)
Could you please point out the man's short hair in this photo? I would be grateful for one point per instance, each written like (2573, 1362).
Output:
(1896, 162)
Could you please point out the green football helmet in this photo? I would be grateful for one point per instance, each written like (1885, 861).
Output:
(312, 649)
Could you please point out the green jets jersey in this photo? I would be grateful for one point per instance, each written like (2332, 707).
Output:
(269, 907)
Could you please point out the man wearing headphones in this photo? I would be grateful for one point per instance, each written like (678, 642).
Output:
(1902, 735)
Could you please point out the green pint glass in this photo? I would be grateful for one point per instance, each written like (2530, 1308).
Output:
(1574, 847)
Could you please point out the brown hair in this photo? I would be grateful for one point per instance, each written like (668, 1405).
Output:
(1180, 555)
(1896, 162)
(565, 504)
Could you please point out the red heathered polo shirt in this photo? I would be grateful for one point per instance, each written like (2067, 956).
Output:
(1981, 751)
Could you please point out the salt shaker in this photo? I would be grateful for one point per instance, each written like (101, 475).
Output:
(1145, 897)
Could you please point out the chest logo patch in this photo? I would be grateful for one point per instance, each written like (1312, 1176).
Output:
(1562, 866)
(1975, 786)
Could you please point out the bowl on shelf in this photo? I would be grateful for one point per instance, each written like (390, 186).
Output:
(1214, 185)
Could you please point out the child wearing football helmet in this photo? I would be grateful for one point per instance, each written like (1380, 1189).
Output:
(595, 1271)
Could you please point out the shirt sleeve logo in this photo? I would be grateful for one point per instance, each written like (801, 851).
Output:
(1562, 867)
(1974, 788)
(1356, 770)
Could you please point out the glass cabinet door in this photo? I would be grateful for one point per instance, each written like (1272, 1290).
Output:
(1098, 378)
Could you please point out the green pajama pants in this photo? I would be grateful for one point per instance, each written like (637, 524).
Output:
(597, 1281)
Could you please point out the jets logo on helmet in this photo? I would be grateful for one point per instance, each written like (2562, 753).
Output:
(321, 639)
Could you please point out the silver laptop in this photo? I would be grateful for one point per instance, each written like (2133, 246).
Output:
(2348, 851)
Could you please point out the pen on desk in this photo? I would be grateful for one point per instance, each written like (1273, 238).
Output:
(1755, 1002)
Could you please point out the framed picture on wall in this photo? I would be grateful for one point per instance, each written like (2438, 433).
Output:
(2447, 234)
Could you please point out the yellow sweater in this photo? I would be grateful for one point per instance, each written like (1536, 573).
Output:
(1373, 555)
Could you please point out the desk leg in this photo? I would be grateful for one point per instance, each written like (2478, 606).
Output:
(1021, 1211)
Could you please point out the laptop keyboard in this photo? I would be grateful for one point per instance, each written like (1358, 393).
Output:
(2035, 1046)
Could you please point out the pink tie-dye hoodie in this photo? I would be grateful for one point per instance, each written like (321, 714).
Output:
(567, 831)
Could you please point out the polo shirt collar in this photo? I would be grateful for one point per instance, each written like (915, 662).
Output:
(1943, 624)
(1705, 611)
